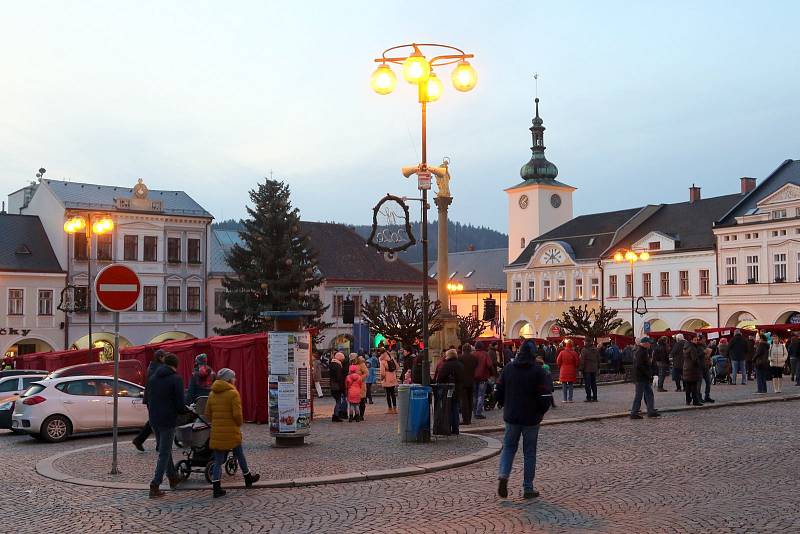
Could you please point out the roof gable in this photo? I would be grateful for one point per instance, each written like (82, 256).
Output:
(787, 171)
(24, 246)
(787, 193)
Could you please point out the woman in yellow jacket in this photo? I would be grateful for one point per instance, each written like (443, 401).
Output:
(224, 413)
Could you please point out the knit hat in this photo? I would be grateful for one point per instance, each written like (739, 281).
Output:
(201, 359)
(226, 374)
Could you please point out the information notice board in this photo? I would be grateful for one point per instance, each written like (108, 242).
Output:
(289, 387)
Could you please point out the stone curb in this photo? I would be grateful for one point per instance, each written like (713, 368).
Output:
(492, 446)
(619, 415)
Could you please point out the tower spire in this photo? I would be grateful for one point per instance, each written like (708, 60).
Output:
(538, 168)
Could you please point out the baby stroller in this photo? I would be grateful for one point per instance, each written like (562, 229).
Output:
(489, 400)
(193, 438)
(721, 369)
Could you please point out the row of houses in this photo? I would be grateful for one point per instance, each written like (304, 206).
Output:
(167, 238)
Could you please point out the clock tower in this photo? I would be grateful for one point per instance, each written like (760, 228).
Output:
(540, 202)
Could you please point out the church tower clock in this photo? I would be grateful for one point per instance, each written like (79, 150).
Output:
(539, 203)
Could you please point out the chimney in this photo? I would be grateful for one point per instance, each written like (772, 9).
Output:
(471, 248)
(694, 194)
(748, 184)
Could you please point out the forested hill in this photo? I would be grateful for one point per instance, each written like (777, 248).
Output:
(461, 237)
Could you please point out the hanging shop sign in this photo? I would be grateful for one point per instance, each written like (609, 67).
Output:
(391, 226)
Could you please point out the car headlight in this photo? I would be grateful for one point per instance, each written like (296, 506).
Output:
(6, 406)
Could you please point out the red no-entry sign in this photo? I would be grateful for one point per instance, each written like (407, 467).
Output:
(117, 287)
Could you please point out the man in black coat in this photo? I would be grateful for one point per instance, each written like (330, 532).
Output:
(158, 361)
(524, 392)
(164, 403)
(452, 372)
(470, 362)
(643, 376)
(337, 377)
(737, 351)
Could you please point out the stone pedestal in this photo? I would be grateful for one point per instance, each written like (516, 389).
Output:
(449, 333)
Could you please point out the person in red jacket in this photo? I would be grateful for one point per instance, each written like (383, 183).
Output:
(353, 386)
(484, 370)
(567, 362)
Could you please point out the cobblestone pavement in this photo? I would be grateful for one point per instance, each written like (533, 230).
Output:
(726, 471)
(332, 448)
(612, 398)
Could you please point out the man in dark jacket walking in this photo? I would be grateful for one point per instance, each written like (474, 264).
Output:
(164, 403)
(676, 357)
(643, 375)
(589, 364)
(470, 363)
(158, 361)
(484, 370)
(737, 351)
(661, 359)
(525, 395)
(451, 371)
(693, 356)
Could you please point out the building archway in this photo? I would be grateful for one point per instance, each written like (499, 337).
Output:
(625, 329)
(742, 319)
(28, 345)
(102, 340)
(693, 325)
(656, 325)
(171, 336)
(527, 331)
(519, 326)
(547, 329)
(788, 317)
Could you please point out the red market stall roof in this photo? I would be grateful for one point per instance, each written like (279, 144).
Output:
(51, 361)
(670, 333)
(245, 354)
(788, 327)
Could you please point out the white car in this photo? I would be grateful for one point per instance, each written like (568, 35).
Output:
(53, 409)
(16, 384)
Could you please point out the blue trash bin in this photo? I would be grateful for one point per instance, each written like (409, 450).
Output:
(418, 425)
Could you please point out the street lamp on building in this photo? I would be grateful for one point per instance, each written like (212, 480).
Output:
(631, 257)
(453, 287)
(418, 70)
(89, 226)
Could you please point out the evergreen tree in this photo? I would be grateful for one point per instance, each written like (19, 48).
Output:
(276, 269)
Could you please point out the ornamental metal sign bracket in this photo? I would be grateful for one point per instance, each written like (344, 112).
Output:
(641, 301)
(391, 227)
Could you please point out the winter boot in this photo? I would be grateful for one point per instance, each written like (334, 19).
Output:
(218, 491)
(250, 479)
(155, 491)
(174, 481)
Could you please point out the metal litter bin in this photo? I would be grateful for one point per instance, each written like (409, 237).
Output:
(418, 424)
(442, 408)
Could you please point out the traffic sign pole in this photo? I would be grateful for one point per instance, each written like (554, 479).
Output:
(117, 288)
(115, 428)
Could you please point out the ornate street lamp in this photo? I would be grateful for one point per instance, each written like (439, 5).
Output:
(453, 287)
(98, 226)
(418, 70)
(631, 257)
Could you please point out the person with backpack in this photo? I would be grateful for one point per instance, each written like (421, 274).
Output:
(523, 392)
(201, 380)
(388, 377)
(451, 371)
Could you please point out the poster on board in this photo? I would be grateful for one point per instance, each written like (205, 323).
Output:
(289, 387)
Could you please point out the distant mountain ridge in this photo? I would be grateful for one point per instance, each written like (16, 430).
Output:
(461, 237)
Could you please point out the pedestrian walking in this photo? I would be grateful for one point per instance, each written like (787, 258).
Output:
(793, 349)
(643, 375)
(316, 368)
(761, 363)
(589, 365)
(484, 371)
(737, 350)
(451, 371)
(778, 356)
(661, 359)
(708, 353)
(388, 377)
(693, 354)
(144, 433)
(676, 357)
(524, 393)
(567, 362)
(363, 372)
(337, 376)
(224, 413)
(470, 363)
(353, 384)
(164, 404)
(201, 379)
(373, 365)
(614, 357)
(750, 357)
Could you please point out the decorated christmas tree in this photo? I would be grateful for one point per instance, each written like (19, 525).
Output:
(276, 269)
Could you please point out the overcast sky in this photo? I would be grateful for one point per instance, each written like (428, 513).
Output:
(640, 99)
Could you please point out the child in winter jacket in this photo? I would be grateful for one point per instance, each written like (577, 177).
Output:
(353, 387)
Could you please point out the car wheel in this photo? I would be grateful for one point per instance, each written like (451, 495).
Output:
(56, 428)
(207, 471)
(184, 469)
(231, 466)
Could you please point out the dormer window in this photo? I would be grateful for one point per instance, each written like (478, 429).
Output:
(779, 214)
(521, 242)
(654, 245)
(469, 274)
(591, 241)
(22, 249)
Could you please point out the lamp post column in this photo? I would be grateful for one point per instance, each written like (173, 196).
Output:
(633, 311)
(426, 372)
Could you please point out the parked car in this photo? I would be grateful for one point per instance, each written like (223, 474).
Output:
(130, 370)
(10, 389)
(54, 409)
(17, 372)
